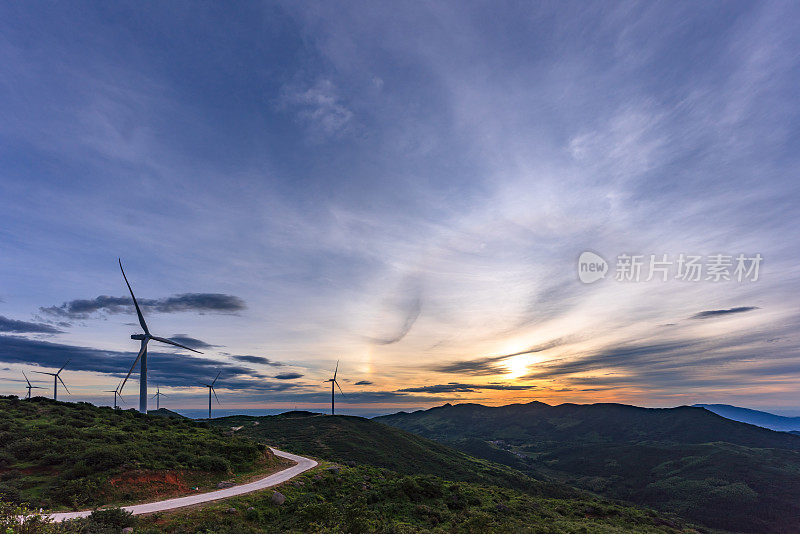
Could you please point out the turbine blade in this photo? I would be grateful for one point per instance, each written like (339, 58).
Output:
(141, 351)
(336, 370)
(215, 396)
(138, 311)
(170, 342)
(62, 367)
(340, 387)
(215, 379)
(26, 378)
(44, 373)
(63, 384)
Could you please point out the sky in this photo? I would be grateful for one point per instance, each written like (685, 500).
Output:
(404, 188)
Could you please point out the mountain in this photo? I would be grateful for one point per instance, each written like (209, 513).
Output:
(70, 455)
(47, 446)
(754, 417)
(686, 460)
(356, 440)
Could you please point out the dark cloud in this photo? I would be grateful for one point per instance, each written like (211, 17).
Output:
(192, 343)
(254, 359)
(288, 376)
(716, 313)
(490, 365)
(363, 383)
(454, 387)
(166, 369)
(199, 302)
(25, 327)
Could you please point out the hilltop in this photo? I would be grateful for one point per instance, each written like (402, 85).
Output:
(754, 417)
(357, 440)
(357, 497)
(58, 454)
(685, 460)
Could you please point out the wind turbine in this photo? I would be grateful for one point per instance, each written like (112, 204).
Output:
(56, 380)
(29, 386)
(158, 396)
(334, 381)
(210, 389)
(116, 394)
(144, 338)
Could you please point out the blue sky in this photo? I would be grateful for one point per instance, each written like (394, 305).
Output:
(405, 188)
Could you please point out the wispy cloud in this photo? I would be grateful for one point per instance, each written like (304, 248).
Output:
(717, 313)
(454, 387)
(197, 302)
(261, 360)
(319, 106)
(288, 376)
(21, 327)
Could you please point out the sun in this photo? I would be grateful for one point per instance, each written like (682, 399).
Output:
(517, 365)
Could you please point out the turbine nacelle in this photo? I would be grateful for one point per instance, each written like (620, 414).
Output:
(139, 337)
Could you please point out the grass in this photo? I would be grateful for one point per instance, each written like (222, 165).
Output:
(59, 455)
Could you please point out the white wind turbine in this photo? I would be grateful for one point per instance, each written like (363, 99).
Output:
(210, 389)
(144, 338)
(29, 386)
(158, 396)
(56, 380)
(334, 381)
(116, 394)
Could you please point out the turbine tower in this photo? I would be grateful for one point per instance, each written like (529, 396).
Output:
(210, 389)
(334, 381)
(29, 386)
(56, 380)
(144, 338)
(116, 394)
(158, 396)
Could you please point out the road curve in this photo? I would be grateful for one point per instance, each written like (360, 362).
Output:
(303, 465)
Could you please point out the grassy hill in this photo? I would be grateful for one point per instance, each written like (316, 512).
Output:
(349, 439)
(58, 454)
(361, 499)
(685, 460)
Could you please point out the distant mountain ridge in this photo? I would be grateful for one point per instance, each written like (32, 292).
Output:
(754, 417)
(687, 460)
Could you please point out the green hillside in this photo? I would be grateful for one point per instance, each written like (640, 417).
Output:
(349, 439)
(685, 460)
(58, 454)
(362, 499)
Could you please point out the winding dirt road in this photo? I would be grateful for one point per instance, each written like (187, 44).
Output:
(303, 465)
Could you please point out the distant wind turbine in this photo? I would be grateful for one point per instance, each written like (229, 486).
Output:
(116, 394)
(334, 381)
(56, 380)
(210, 390)
(29, 386)
(158, 396)
(144, 338)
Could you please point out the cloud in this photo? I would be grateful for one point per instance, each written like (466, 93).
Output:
(320, 107)
(490, 364)
(22, 327)
(288, 376)
(454, 387)
(191, 342)
(363, 383)
(254, 359)
(411, 315)
(198, 302)
(716, 313)
(166, 369)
